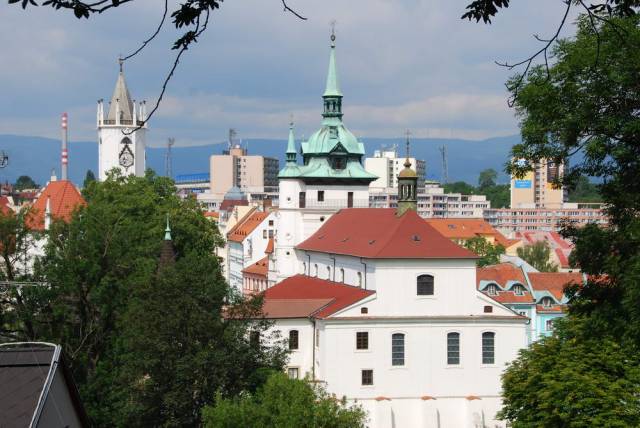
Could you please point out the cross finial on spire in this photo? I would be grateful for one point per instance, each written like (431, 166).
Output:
(333, 33)
(407, 134)
(291, 120)
(120, 62)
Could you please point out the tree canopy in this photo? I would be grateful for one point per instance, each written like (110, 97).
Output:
(284, 402)
(489, 253)
(147, 342)
(25, 182)
(537, 255)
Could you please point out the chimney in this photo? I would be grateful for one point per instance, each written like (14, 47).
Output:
(65, 152)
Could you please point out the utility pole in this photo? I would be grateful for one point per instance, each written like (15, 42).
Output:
(167, 158)
(65, 151)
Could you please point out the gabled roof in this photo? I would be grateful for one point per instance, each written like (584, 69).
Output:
(63, 199)
(379, 233)
(246, 225)
(553, 282)
(467, 228)
(303, 296)
(34, 379)
(261, 267)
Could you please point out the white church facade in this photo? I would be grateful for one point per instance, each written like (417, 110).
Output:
(122, 128)
(375, 303)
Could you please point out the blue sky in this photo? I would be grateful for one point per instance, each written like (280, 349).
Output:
(402, 63)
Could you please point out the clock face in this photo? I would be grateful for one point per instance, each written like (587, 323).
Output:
(126, 157)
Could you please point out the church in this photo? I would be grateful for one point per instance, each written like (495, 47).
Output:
(375, 303)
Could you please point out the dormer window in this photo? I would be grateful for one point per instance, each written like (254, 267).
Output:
(492, 290)
(547, 302)
(339, 163)
(518, 290)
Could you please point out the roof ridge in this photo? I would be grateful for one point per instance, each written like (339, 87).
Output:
(391, 232)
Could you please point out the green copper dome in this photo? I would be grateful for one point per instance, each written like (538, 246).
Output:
(332, 153)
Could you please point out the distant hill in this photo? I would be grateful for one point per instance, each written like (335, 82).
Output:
(36, 156)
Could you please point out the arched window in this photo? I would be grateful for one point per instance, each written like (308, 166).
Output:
(359, 279)
(397, 349)
(293, 340)
(304, 268)
(341, 278)
(328, 272)
(492, 290)
(547, 302)
(518, 290)
(488, 347)
(453, 348)
(315, 269)
(425, 285)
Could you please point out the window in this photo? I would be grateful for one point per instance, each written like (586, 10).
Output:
(320, 195)
(547, 302)
(349, 199)
(302, 199)
(518, 290)
(264, 233)
(488, 309)
(397, 349)
(488, 347)
(293, 340)
(492, 290)
(367, 377)
(425, 285)
(362, 340)
(292, 372)
(270, 222)
(341, 275)
(549, 325)
(359, 279)
(364, 310)
(270, 233)
(453, 348)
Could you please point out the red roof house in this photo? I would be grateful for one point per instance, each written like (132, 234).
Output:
(62, 197)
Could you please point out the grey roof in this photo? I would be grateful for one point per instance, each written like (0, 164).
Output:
(121, 92)
(30, 376)
(234, 194)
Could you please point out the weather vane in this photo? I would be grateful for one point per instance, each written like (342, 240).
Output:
(407, 134)
(120, 62)
(333, 32)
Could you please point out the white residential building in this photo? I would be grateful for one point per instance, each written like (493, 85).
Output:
(386, 164)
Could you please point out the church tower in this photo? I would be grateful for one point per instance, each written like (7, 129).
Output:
(407, 187)
(121, 132)
(331, 177)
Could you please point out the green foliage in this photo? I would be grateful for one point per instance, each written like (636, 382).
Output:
(584, 191)
(284, 402)
(487, 179)
(537, 255)
(148, 344)
(88, 178)
(459, 187)
(498, 194)
(25, 182)
(573, 379)
(489, 254)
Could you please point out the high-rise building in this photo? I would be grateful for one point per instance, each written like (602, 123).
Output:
(537, 188)
(249, 173)
(121, 132)
(386, 164)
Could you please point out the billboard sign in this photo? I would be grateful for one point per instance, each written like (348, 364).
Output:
(522, 184)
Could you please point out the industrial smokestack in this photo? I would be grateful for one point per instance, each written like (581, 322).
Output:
(65, 152)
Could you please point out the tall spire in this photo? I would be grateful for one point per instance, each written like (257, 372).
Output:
(291, 146)
(333, 87)
(121, 102)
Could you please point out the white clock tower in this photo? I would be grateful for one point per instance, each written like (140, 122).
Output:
(121, 133)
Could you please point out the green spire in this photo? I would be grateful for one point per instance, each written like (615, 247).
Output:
(167, 231)
(333, 88)
(291, 147)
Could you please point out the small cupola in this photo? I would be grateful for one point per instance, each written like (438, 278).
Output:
(407, 187)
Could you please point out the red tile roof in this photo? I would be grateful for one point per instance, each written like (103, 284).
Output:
(261, 267)
(246, 225)
(319, 298)
(467, 228)
(63, 198)
(554, 282)
(211, 214)
(379, 233)
(228, 204)
(4, 205)
(501, 274)
(270, 246)
(553, 309)
(511, 297)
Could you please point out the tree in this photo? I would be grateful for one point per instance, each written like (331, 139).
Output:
(459, 187)
(487, 179)
(584, 191)
(489, 253)
(573, 379)
(499, 195)
(284, 402)
(88, 178)
(143, 342)
(537, 255)
(25, 182)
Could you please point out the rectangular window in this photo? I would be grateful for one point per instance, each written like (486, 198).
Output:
(292, 372)
(549, 325)
(367, 377)
(302, 199)
(320, 195)
(317, 338)
(362, 340)
(293, 339)
(350, 200)
(453, 348)
(397, 349)
(488, 348)
(425, 285)
(270, 233)
(264, 233)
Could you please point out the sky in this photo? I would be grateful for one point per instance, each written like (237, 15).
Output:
(403, 64)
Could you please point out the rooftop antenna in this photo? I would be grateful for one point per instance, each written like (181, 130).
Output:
(65, 151)
(232, 136)
(407, 134)
(445, 173)
(168, 167)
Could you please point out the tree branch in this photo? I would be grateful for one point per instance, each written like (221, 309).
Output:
(153, 36)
